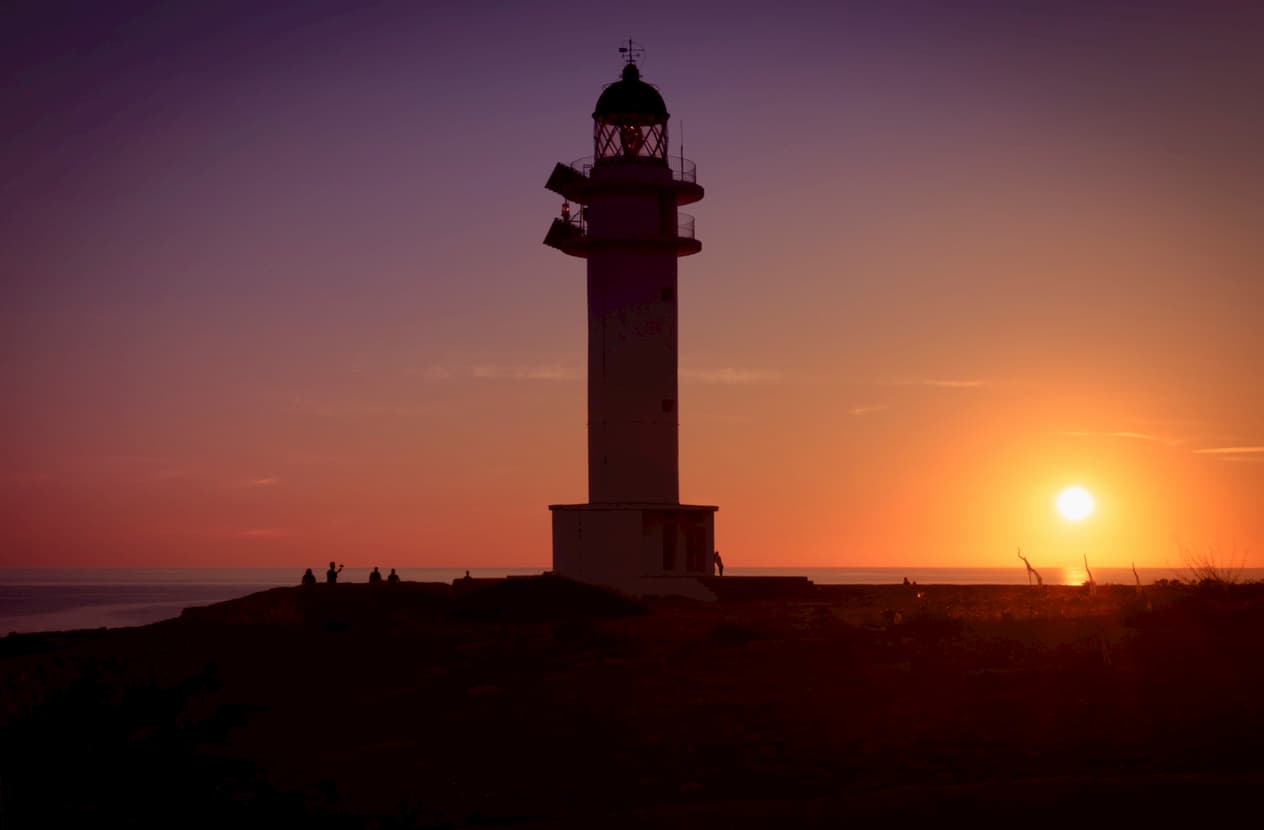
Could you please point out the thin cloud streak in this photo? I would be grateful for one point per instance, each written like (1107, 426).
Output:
(941, 383)
(429, 373)
(725, 417)
(861, 410)
(1133, 436)
(263, 533)
(1245, 453)
(729, 376)
(726, 376)
(359, 409)
(548, 373)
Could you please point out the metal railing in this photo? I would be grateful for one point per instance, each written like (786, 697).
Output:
(682, 169)
(684, 224)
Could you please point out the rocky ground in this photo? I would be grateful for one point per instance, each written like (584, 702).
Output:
(542, 703)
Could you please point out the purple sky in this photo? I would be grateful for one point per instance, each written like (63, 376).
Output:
(273, 280)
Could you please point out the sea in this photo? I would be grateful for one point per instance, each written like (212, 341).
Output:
(64, 599)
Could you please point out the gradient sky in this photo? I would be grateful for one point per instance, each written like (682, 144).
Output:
(274, 292)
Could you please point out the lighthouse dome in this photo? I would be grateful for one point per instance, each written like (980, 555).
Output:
(631, 96)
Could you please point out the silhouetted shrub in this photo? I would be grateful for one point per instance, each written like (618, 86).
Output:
(1211, 567)
(16, 645)
(545, 599)
(730, 635)
(933, 626)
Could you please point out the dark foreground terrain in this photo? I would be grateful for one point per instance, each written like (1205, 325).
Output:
(542, 703)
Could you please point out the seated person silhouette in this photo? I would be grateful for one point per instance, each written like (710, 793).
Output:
(393, 578)
(331, 575)
(309, 578)
(375, 577)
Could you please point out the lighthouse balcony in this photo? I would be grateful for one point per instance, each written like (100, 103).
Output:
(682, 169)
(580, 179)
(570, 235)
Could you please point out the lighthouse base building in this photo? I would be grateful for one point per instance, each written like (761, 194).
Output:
(620, 214)
(638, 548)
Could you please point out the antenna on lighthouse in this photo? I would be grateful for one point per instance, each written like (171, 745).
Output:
(682, 149)
(631, 52)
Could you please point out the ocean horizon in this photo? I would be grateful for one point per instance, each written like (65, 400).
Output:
(64, 599)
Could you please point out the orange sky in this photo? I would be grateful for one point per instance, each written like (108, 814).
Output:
(948, 270)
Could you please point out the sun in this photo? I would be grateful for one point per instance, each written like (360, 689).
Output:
(1075, 503)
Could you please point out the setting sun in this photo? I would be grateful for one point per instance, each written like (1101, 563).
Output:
(1075, 503)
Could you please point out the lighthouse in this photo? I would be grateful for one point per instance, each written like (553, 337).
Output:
(621, 214)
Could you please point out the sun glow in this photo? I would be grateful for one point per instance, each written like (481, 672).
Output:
(1075, 503)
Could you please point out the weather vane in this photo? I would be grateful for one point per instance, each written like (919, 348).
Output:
(631, 52)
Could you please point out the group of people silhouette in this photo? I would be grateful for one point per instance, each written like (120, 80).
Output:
(331, 576)
(375, 578)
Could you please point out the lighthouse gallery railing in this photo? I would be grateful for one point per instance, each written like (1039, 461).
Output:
(682, 169)
(684, 224)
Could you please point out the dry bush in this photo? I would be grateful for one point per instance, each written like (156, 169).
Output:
(1211, 567)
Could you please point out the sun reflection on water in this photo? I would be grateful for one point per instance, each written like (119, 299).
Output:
(1074, 575)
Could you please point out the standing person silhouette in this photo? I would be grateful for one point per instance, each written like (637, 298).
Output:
(376, 576)
(331, 575)
(393, 578)
(719, 563)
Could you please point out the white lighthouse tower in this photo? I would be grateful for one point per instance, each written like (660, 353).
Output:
(633, 534)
